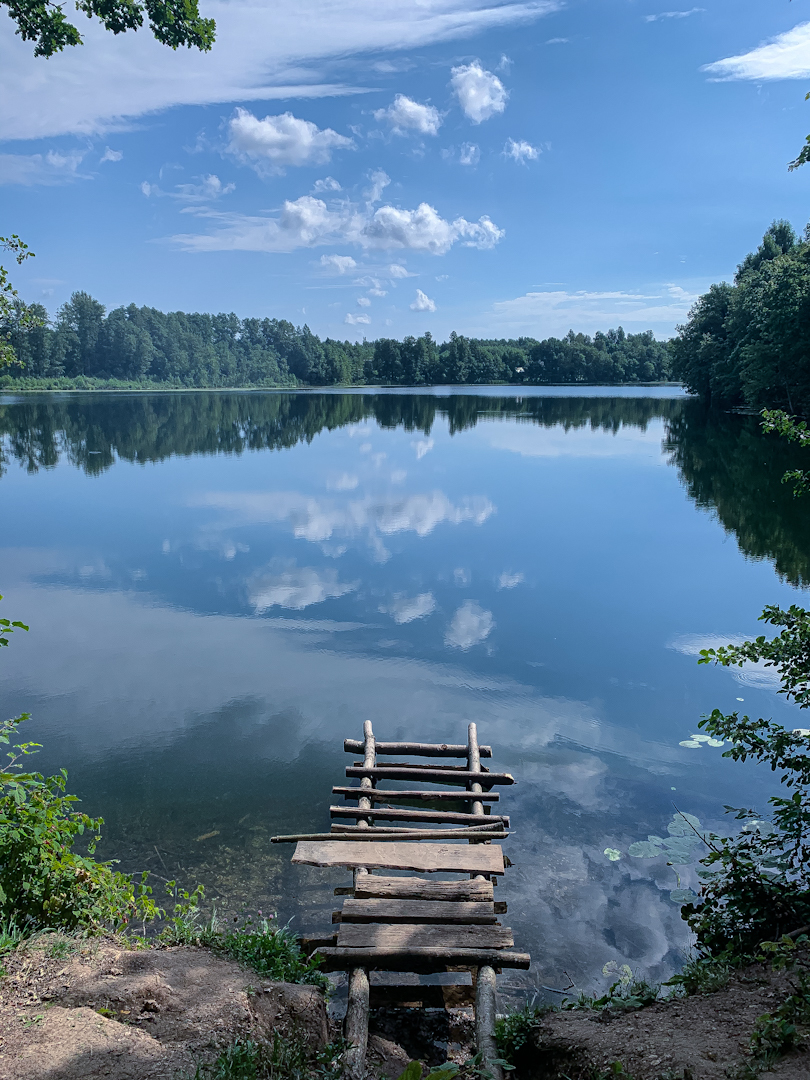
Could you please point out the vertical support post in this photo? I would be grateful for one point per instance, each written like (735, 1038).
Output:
(485, 1008)
(356, 1023)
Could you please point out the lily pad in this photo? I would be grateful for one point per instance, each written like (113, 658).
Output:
(612, 853)
(700, 738)
(643, 849)
(683, 824)
(693, 744)
(683, 896)
(715, 742)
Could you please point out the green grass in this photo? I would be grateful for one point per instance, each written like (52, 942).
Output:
(288, 1058)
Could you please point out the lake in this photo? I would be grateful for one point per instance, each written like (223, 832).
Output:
(221, 587)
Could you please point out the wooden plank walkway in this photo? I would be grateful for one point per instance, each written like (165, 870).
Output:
(412, 924)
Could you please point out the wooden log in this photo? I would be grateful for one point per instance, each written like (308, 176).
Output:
(500, 907)
(449, 769)
(485, 1020)
(354, 746)
(391, 814)
(310, 945)
(403, 832)
(455, 996)
(414, 911)
(402, 936)
(422, 794)
(338, 958)
(377, 886)
(434, 774)
(426, 858)
(355, 1026)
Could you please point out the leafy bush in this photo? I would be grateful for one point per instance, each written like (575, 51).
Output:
(289, 1058)
(514, 1031)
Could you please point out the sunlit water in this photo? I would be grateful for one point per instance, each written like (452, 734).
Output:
(221, 587)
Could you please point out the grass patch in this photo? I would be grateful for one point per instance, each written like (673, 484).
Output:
(289, 1057)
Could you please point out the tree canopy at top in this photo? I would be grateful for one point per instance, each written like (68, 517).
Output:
(173, 22)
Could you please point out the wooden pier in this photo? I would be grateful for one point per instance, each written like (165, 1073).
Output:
(397, 923)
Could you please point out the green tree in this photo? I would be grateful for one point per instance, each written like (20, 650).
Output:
(173, 22)
(13, 312)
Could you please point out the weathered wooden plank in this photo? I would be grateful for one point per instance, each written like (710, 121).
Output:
(423, 794)
(356, 746)
(399, 936)
(427, 858)
(500, 907)
(435, 774)
(374, 885)
(337, 958)
(414, 911)
(395, 814)
(406, 832)
(310, 945)
(456, 996)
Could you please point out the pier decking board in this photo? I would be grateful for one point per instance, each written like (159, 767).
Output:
(422, 794)
(410, 911)
(405, 936)
(356, 746)
(402, 855)
(436, 816)
(420, 959)
(431, 775)
(372, 885)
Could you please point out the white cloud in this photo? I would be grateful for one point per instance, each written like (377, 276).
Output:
(403, 609)
(397, 271)
(509, 581)
(423, 302)
(296, 588)
(521, 152)
(44, 169)
(405, 115)
(340, 263)
(276, 141)
(307, 222)
(354, 320)
(363, 301)
(673, 14)
(471, 625)
(344, 482)
(377, 292)
(757, 674)
(111, 155)
(557, 41)
(422, 447)
(210, 187)
(553, 313)
(327, 184)
(480, 93)
(379, 182)
(784, 57)
(470, 154)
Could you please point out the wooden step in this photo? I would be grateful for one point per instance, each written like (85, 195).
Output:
(435, 775)
(416, 911)
(408, 888)
(357, 746)
(310, 945)
(400, 855)
(420, 959)
(426, 997)
(449, 817)
(407, 936)
(420, 794)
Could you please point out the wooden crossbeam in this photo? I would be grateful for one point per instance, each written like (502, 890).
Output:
(421, 794)
(426, 858)
(431, 958)
(389, 813)
(375, 885)
(434, 774)
(356, 746)
(375, 910)
(405, 936)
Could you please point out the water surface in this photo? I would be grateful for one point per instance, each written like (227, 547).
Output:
(223, 586)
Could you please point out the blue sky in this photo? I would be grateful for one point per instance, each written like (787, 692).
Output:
(385, 168)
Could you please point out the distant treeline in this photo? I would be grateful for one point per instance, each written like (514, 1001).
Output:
(749, 343)
(143, 346)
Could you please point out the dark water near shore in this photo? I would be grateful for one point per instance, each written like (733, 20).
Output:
(223, 586)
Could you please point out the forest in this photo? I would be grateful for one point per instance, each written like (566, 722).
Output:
(748, 343)
(87, 346)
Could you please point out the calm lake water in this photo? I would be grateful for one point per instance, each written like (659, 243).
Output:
(222, 586)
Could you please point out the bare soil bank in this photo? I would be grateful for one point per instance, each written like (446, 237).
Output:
(71, 1010)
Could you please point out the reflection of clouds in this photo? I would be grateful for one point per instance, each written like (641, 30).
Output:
(344, 482)
(528, 440)
(422, 447)
(296, 588)
(471, 625)
(750, 674)
(461, 576)
(319, 519)
(509, 581)
(404, 609)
